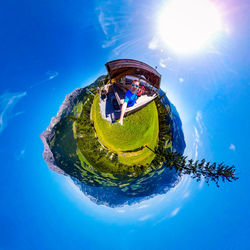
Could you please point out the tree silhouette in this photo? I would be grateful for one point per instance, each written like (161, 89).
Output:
(199, 169)
(196, 169)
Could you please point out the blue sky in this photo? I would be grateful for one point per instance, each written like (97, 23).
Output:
(49, 48)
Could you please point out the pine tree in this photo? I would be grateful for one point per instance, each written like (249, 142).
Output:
(196, 169)
(199, 169)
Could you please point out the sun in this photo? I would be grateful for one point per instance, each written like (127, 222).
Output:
(188, 26)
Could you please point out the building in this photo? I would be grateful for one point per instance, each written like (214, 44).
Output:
(121, 73)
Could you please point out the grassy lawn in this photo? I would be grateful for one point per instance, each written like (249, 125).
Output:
(139, 129)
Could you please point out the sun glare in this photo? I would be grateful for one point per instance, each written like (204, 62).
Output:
(187, 26)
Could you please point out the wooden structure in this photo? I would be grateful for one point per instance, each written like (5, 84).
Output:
(118, 70)
(122, 67)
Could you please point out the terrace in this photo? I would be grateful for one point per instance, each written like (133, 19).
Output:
(121, 74)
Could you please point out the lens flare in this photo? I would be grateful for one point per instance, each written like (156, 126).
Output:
(188, 26)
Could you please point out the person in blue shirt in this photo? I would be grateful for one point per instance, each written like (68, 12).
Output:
(130, 98)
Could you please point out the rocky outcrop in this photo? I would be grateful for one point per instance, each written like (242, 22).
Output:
(65, 109)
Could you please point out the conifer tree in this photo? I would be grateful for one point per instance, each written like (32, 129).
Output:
(199, 169)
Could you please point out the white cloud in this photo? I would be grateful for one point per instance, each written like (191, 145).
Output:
(109, 27)
(196, 143)
(166, 62)
(198, 131)
(198, 119)
(104, 24)
(109, 43)
(142, 206)
(146, 217)
(125, 47)
(51, 74)
(21, 154)
(18, 113)
(175, 212)
(153, 44)
(198, 116)
(162, 63)
(232, 147)
(7, 102)
(120, 211)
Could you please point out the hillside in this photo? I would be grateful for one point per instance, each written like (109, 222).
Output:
(99, 155)
(130, 140)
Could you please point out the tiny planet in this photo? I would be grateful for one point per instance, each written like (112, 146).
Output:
(105, 135)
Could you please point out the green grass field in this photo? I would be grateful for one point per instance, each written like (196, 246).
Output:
(138, 130)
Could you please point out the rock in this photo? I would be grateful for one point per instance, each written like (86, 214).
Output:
(65, 110)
